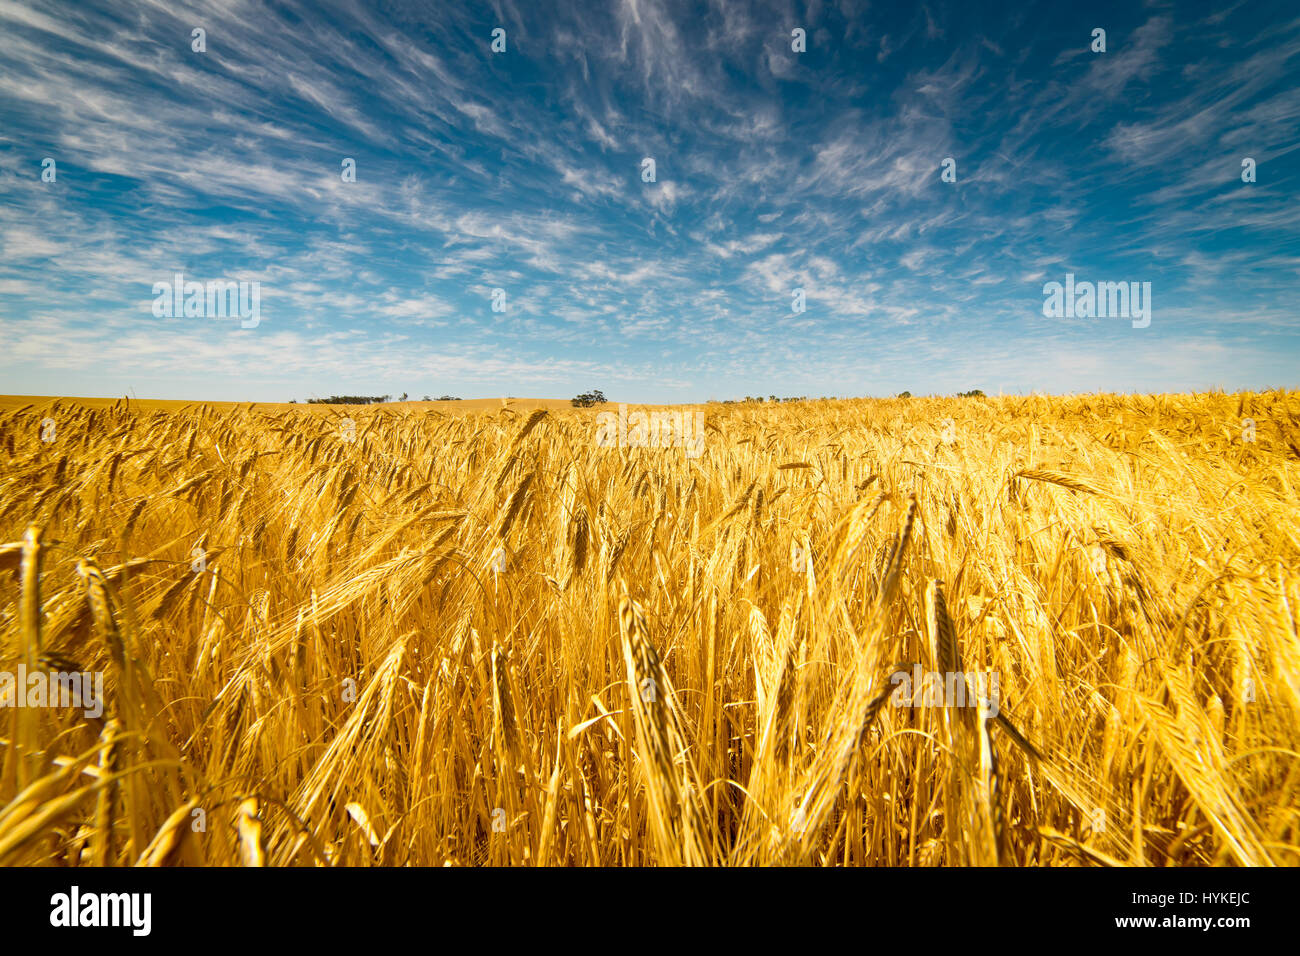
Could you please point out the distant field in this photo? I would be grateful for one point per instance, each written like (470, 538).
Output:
(437, 638)
(465, 405)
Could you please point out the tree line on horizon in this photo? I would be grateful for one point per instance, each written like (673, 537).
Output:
(368, 399)
(585, 400)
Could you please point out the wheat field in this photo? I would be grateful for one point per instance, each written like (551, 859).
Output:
(465, 639)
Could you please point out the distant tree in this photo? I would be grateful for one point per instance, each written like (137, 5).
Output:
(448, 398)
(973, 393)
(349, 400)
(427, 399)
(403, 398)
(904, 394)
(587, 399)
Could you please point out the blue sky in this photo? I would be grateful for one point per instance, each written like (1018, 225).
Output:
(522, 171)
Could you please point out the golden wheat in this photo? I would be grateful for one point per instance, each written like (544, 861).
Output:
(484, 639)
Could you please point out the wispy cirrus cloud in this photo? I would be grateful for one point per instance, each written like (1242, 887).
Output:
(521, 171)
